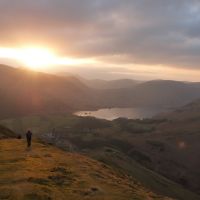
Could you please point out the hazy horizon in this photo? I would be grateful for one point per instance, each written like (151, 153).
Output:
(142, 40)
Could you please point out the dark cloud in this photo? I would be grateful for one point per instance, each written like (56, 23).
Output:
(151, 32)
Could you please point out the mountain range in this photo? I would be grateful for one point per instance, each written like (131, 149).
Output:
(112, 84)
(25, 92)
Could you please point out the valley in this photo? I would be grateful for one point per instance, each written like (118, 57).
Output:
(23, 92)
(159, 148)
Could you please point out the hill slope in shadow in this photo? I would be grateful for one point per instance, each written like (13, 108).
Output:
(24, 92)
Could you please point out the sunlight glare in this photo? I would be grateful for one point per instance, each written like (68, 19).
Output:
(37, 58)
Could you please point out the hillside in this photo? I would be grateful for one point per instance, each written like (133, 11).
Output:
(6, 133)
(24, 92)
(189, 112)
(172, 148)
(126, 145)
(113, 84)
(45, 172)
(167, 92)
(163, 93)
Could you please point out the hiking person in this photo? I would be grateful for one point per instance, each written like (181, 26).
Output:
(28, 137)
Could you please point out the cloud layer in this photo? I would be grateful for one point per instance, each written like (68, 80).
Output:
(147, 32)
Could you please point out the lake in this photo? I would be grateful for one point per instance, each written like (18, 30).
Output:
(130, 113)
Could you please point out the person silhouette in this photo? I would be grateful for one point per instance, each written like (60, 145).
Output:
(28, 138)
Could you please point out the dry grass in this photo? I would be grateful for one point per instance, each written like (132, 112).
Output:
(45, 173)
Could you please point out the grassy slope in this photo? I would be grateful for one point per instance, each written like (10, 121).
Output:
(46, 172)
(116, 158)
(147, 177)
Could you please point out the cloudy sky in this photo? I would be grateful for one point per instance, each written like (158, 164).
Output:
(139, 39)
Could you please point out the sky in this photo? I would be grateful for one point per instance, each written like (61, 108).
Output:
(108, 39)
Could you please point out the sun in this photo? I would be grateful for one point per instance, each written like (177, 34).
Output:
(37, 58)
(41, 59)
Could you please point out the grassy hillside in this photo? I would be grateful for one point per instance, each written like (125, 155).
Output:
(119, 144)
(148, 178)
(45, 172)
